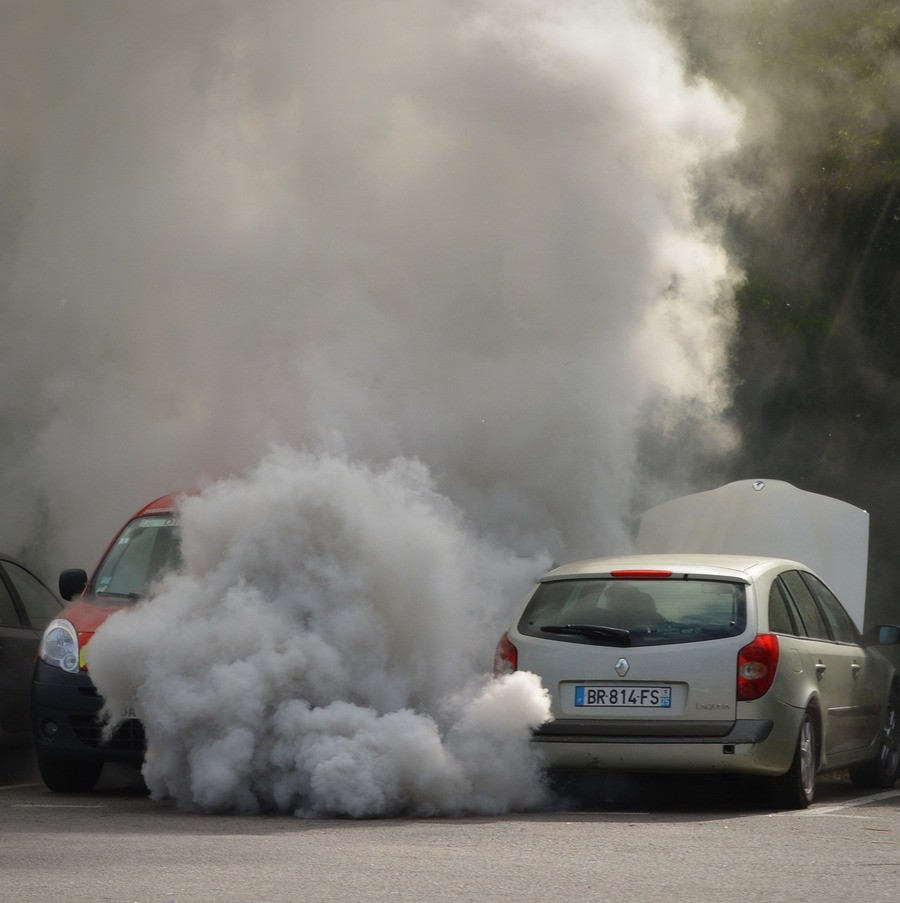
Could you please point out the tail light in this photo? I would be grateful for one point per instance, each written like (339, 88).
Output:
(506, 657)
(757, 662)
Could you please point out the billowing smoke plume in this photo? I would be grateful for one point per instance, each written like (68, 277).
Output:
(448, 252)
(457, 232)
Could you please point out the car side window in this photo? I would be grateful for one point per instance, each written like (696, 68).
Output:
(780, 618)
(813, 622)
(9, 617)
(842, 626)
(41, 606)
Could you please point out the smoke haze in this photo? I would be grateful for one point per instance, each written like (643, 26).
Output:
(399, 283)
(817, 391)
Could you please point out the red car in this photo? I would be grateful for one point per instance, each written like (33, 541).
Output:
(64, 702)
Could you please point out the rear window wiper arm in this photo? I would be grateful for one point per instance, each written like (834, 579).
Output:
(592, 631)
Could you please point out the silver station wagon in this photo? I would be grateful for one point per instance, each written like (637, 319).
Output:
(708, 663)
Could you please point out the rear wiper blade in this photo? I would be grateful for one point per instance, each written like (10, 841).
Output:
(592, 631)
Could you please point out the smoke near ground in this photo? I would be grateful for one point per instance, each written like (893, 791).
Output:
(442, 256)
(323, 652)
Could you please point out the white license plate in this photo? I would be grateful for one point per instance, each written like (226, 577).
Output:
(615, 696)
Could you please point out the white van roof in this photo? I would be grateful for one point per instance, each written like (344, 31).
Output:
(769, 517)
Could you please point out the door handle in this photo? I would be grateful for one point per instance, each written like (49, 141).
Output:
(856, 668)
(821, 668)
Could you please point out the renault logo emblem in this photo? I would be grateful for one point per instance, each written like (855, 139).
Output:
(622, 667)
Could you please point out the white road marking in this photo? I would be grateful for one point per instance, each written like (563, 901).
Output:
(57, 806)
(849, 804)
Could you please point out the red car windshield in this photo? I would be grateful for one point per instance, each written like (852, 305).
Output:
(146, 549)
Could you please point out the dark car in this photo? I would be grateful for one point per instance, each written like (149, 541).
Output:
(27, 606)
(69, 743)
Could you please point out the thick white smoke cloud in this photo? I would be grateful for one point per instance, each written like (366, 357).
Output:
(460, 234)
(321, 652)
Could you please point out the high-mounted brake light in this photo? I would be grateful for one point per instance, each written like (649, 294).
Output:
(506, 657)
(757, 662)
(645, 574)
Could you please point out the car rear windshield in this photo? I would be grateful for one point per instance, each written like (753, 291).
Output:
(146, 549)
(610, 611)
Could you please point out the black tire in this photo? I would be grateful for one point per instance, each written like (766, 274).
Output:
(882, 771)
(796, 788)
(69, 775)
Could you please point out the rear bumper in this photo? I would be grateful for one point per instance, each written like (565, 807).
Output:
(65, 711)
(759, 746)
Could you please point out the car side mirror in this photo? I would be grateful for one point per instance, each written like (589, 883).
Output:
(72, 583)
(882, 635)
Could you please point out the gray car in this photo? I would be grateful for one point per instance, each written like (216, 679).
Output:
(708, 664)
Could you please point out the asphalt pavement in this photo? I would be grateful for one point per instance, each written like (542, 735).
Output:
(17, 766)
